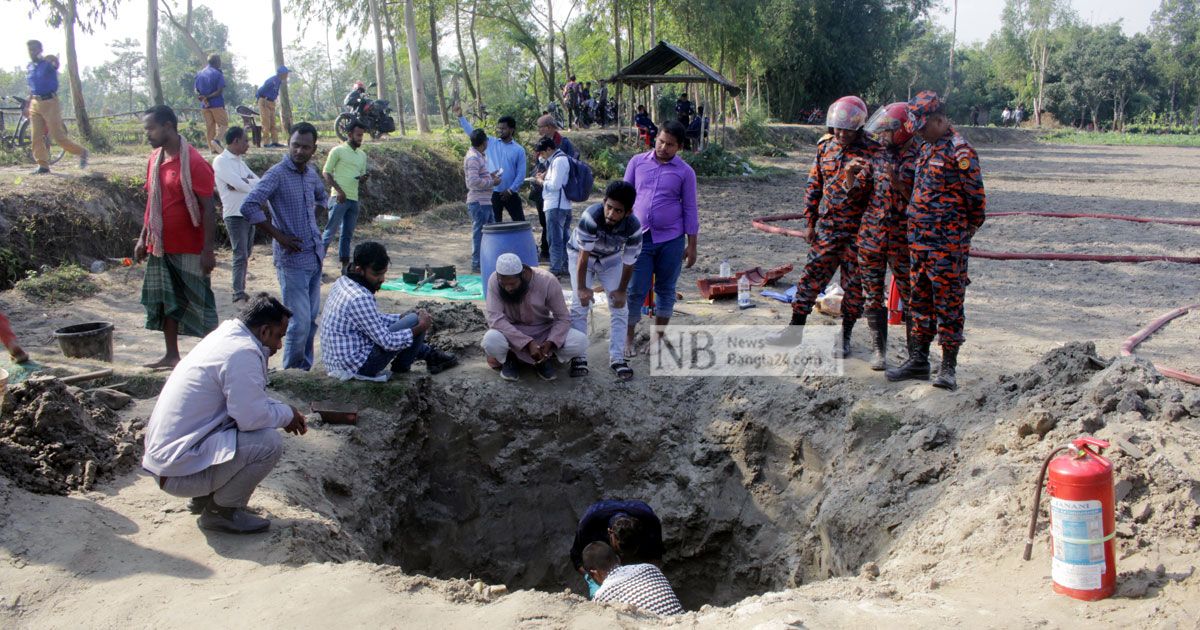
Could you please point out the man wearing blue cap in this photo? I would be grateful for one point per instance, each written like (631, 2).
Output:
(266, 96)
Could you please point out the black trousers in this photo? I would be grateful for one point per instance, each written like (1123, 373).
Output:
(514, 206)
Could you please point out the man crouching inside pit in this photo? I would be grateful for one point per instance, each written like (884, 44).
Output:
(212, 435)
(528, 321)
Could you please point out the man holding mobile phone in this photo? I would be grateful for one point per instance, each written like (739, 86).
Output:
(506, 158)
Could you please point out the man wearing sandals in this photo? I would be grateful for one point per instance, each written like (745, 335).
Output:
(528, 321)
(604, 247)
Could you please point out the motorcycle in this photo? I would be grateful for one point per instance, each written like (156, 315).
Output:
(372, 114)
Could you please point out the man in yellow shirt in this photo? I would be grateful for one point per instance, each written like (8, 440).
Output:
(345, 167)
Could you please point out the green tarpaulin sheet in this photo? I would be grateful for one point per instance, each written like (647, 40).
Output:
(469, 288)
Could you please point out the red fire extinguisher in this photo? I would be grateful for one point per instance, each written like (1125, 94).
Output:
(1082, 520)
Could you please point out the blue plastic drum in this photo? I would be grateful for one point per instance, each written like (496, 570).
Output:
(502, 238)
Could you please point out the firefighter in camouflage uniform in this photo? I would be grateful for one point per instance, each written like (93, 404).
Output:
(882, 238)
(840, 186)
(946, 208)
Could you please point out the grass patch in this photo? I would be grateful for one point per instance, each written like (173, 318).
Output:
(715, 161)
(1108, 138)
(58, 284)
(312, 387)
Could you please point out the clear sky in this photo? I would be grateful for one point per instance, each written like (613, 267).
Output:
(249, 24)
(977, 19)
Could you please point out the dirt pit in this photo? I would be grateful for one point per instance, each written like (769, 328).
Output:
(756, 496)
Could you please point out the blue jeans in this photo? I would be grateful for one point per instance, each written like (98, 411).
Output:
(342, 216)
(663, 262)
(401, 360)
(481, 215)
(241, 239)
(558, 225)
(301, 289)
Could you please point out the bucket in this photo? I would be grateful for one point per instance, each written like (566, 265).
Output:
(515, 237)
(93, 340)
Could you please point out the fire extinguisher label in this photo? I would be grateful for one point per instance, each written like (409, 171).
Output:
(1077, 528)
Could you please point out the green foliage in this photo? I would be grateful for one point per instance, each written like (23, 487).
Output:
(456, 141)
(715, 161)
(608, 165)
(59, 284)
(753, 128)
(1108, 138)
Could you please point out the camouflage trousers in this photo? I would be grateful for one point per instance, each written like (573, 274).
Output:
(825, 258)
(872, 268)
(938, 285)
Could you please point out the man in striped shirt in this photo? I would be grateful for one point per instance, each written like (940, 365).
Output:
(604, 247)
(640, 585)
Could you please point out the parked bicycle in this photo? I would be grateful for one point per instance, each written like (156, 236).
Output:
(20, 138)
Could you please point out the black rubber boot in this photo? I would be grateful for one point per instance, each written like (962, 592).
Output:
(792, 335)
(847, 330)
(877, 322)
(946, 377)
(917, 365)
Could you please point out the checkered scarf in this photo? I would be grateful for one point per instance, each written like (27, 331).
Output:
(189, 197)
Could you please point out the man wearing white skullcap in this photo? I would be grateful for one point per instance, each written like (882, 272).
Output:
(528, 320)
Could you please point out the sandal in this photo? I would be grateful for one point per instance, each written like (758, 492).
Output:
(622, 370)
(579, 367)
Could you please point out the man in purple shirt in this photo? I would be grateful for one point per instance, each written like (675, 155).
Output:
(666, 208)
(210, 91)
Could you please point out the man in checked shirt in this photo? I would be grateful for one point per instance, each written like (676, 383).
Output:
(358, 341)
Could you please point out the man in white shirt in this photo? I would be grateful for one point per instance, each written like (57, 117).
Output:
(235, 180)
(558, 207)
(212, 435)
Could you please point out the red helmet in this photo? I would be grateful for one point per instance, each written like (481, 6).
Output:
(848, 112)
(891, 118)
(359, 85)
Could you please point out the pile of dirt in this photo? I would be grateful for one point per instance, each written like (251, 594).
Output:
(456, 325)
(55, 439)
(50, 222)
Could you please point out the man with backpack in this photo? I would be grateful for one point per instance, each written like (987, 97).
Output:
(557, 205)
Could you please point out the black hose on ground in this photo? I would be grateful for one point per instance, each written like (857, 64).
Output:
(1037, 499)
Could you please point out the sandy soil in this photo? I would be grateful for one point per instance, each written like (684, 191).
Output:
(779, 497)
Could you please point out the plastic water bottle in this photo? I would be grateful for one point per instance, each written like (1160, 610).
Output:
(744, 292)
(725, 270)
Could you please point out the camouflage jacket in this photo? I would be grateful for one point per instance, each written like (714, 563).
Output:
(834, 202)
(947, 203)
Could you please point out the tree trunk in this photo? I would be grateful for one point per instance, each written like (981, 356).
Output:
(81, 116)
(616, 8)
(566, 53)
(380, 83)
(630, 34)
(551, 79)
(653, 43)
(437, 63)
(414, 67)
(462, 55)
(153, 78)
(475, 54)
(333, 91)
(391, 36)
(185, 29)
(1037, 106)
(285, 99)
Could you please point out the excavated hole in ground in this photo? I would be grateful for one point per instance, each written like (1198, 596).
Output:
(495, 492)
